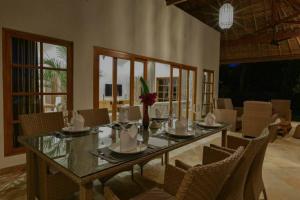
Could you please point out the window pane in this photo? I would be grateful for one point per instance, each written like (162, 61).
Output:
(55, 103)
(123, 82)
(25, 79)
(191, 94)
(55, 56)
(175, 100)
(25, 105)
(184, 77)
(54, 81)
(25, 52)
(138, 72)
(207, 92)
(159, 82)
(105, 82)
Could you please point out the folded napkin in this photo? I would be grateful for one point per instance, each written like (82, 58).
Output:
(157, 113)
(210, 119)
(123, 114)
(128, 139)
(181, 125)
(77, 121)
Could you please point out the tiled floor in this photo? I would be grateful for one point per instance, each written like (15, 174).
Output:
(281, 172)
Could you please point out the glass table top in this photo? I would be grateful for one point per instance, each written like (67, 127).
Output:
(74, 153)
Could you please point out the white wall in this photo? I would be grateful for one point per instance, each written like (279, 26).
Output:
(146, 27)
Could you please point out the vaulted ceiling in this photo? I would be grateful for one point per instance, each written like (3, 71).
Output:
(263, 30)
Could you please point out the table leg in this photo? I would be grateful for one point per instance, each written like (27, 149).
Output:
(167, 158)
(224, 138)
(86, 191)
(43, 179)
(31, 179)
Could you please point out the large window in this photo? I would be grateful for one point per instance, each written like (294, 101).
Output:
(37, 77)
(116, 83)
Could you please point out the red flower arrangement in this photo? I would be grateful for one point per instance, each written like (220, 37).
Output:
(147, 98)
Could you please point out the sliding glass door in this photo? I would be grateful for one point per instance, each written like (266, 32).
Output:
(159, 77)
(116, 83)
(105, 82)
(175, 91)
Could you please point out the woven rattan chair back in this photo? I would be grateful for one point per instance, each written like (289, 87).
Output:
(134, 113)
(254, 184)
(204, 182)
(95, 117)
(41, 123)
(235, 185)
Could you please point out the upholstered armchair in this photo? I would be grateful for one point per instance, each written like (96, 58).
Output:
(201, 182)
(257, 116)
(282, 108)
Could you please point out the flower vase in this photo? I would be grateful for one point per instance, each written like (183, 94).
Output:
(145, 117)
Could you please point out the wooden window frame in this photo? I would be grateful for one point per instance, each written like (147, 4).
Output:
(169, 92)
(133, 57)
(7, 35)
(204, 83)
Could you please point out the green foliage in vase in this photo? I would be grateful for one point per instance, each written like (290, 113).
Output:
(145, 88)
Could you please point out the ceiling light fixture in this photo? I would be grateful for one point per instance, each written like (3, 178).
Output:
(226, 16)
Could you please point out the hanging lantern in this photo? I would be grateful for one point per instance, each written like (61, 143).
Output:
(226, 16)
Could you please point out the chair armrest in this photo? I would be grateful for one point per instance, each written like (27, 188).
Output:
(109, 194)
(211, 155)
(173, 179)
(234, 142)
(274, 117)
(222, 148)
(290, 115)
(182, 165)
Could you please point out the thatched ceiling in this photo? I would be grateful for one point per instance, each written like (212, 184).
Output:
(262, 30)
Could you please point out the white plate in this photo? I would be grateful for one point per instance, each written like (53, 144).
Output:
(117, 149)
(72, 130)
(183, 133)
(215, 125)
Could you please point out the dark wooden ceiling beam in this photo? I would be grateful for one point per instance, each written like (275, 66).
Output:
(265, 38)
(279, 21)
(291, 22)
(174, 2)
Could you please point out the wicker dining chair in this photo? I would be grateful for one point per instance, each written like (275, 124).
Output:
(98, 117)
(59, 186)
(255, 184)
(95, 117)
(201, 182)
(134, 113)
(247, 177)
(41, 123)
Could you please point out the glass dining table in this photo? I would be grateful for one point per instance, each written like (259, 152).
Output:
(86, 156)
